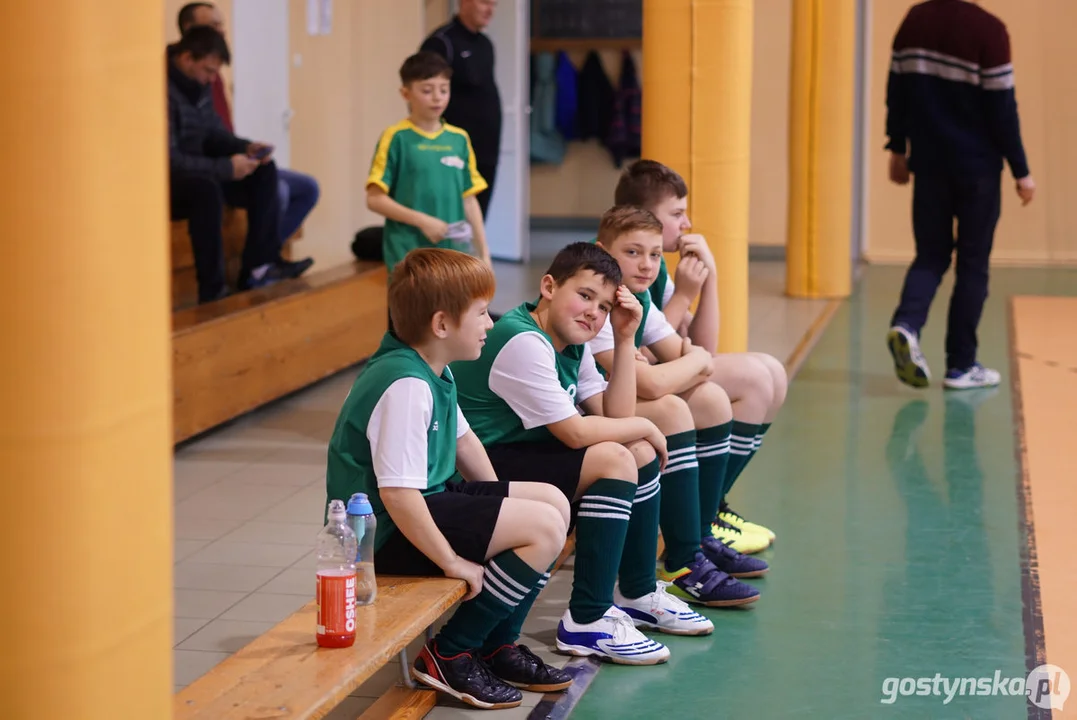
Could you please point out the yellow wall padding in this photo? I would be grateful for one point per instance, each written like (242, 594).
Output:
(697, 99)
(85, 436)
(818, 250)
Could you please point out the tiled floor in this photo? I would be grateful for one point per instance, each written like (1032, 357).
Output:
(249, 499)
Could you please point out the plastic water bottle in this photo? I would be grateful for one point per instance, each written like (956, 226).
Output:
(336, 547)
(364, 525)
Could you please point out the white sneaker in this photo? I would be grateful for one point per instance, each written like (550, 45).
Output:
(976, 376)
(612, 636)
(909, 363)
(661, 611)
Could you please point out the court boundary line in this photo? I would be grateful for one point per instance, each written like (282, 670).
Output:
(1031, 601)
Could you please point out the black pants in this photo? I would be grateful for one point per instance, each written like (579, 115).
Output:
(938, 198)
(200, 200)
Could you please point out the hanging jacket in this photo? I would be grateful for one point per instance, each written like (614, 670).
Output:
(624, 140)
(566, 96)
(595, 99)
(547, 145)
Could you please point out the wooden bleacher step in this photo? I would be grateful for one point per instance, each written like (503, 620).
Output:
(236, 354)
(284, 675)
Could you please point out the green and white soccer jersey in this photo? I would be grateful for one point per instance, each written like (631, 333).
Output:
(661, 290)
(652, 328)
(398, 428)
(428, 172)
(520, 384)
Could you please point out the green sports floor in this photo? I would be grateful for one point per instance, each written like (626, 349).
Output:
(900, 552)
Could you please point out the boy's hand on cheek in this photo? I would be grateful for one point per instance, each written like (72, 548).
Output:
(626, 313)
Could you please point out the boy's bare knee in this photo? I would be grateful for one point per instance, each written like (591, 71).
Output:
(759, 381)
(643, 452)
(710, 405)
(559, 502)
(613, 460)
(551, 528)
(671, 414)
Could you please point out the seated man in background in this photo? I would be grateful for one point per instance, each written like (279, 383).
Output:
(209, 166)
(298, 192)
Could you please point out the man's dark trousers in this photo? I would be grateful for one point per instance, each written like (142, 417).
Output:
(940, 197)
(200, 199)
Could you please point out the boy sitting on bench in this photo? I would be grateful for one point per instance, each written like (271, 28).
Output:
(401, 437)
(522, 397)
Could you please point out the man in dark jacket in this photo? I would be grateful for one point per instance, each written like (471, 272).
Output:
(474, 101)
(210, 166)
(952, 120)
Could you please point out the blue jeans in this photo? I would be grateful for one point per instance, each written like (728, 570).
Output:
(298, 196)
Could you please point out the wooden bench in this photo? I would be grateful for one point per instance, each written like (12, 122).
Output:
(236, 354)
(284, 674)
(234, 236)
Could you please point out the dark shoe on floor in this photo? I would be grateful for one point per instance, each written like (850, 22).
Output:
(732, 562)
(295, 268)
(465, 677)
(517, 665)
(221, 294)
(701, 583)
(273, 274)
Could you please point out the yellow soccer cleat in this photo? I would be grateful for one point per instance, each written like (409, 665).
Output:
(735, 519)
(742, 542)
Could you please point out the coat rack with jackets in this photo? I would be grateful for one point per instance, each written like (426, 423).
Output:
(570, 104)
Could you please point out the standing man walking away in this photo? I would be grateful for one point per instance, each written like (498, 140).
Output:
(474, 104)
(951, 98)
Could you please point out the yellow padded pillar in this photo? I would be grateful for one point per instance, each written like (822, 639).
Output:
(85, 435)
(697, 85)
(818, 247)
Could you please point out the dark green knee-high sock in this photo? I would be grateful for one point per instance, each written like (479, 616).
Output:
(759, 435)
(637, 574)
(507, 582)
(680, 500)
(741, 450)
(508, 630)
(712, 452)
(601, 525)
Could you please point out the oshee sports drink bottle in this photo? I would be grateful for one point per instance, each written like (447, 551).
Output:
(336, 548)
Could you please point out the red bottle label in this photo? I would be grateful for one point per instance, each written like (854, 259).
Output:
(336, 603)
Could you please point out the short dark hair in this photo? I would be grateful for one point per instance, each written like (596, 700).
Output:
(620, 220)
(424, 66)
(645, 183)
(577, 257)
(185, 19)
(203, 41)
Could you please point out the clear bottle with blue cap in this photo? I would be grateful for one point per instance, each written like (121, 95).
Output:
(364, 525)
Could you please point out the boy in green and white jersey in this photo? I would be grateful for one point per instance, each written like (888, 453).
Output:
(756, 383)
(523, 397)
(400, 438)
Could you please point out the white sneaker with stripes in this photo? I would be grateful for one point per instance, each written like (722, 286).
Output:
(613, 636)
(661, 611)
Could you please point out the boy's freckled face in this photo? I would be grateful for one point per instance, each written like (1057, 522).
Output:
(427, 98)
(639, 253)
(673, 214)
(578, 308)
(470, 334)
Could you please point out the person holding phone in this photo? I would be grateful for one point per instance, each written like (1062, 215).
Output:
(297, 192)
(209, 166)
